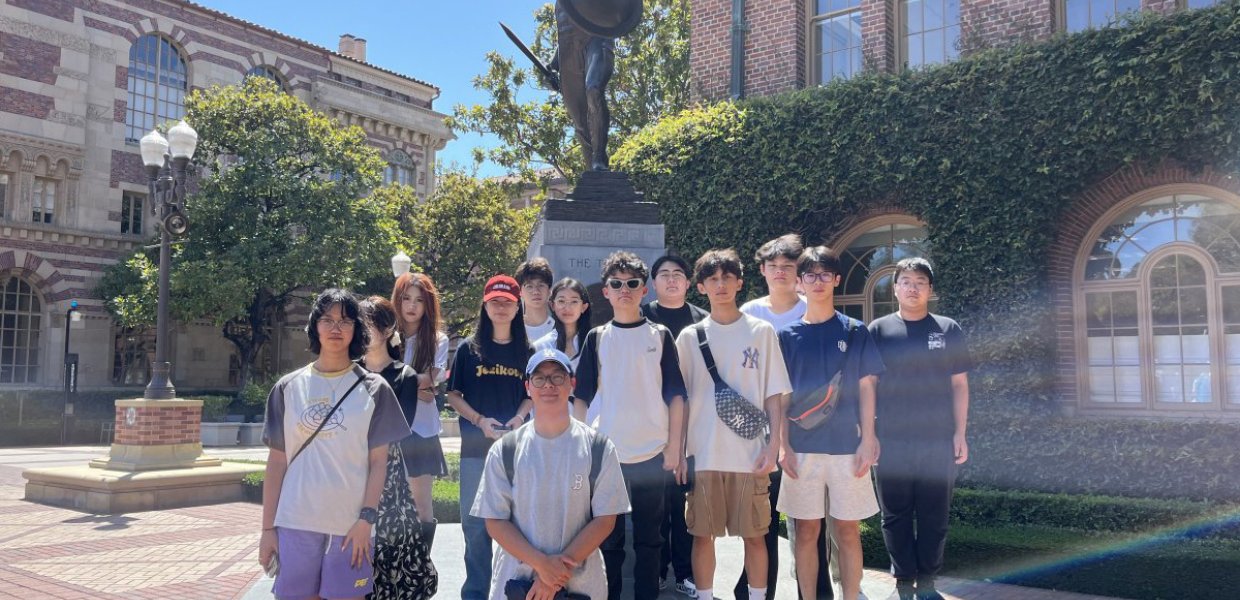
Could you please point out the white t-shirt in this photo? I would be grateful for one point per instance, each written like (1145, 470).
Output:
(761, 308)
(748, 359)
(426, 423)
(536, 332)
(324, 488)
(640, 377)
(549, 501)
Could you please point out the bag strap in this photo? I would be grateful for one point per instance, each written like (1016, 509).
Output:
(598, 447)
(325, 420)
(707, 356)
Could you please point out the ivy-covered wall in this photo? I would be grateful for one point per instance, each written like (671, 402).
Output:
(989, 151)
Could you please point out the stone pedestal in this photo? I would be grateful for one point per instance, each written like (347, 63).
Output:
(156, 462)
(601, 215)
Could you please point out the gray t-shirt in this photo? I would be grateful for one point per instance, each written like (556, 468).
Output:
(549, 501)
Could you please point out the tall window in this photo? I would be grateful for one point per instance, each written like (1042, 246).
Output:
(43, 200)
(21, 317)
(1083, 14)
(400, 168)
(131, 212)
(835, 31)
(931, 31)
(869, 261)
(267, 73)
(157, 86)
(1161, 293)
(4, 189)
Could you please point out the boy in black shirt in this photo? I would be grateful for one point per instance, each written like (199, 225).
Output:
(670, 276)
(923, 407)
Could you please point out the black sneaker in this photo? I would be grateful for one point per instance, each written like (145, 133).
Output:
(929, 594)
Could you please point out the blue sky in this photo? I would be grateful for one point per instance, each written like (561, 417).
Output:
(439, 41)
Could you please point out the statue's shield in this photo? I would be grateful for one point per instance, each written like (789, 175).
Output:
(605, 18)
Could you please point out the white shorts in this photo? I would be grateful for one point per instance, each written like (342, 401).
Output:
(827, 475)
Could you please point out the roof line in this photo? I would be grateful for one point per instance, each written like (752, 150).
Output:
(296, 40)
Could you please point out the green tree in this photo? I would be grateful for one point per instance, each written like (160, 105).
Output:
(651, 80)
(464, 233)
(281, 205)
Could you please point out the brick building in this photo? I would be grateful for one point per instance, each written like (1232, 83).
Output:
(1151, 249)
(80, 82)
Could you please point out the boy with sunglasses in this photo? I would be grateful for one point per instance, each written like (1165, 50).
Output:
(629, 368)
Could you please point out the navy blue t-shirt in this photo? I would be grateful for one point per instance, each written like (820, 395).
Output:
(813, 352)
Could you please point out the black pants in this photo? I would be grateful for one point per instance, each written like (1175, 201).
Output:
(677, 543)
(915, 481)
(646, 482)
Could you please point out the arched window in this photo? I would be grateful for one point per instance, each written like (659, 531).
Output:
(157, 86)
(868, 257)
(267, 72)
(1160, 288)
(400, 169)
(21, 321)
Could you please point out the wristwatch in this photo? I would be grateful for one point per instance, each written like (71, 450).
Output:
(369, 515)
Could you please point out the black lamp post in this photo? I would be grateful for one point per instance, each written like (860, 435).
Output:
(166, 160)
(71, 364)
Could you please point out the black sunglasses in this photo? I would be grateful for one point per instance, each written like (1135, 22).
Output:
(616, 284)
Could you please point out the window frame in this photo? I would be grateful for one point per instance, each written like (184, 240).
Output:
(35, 350)
(851, 235)
(1215, 282)
(126, 197)
(902, 35)
(268, 72)
(131, 110)
(1061, 16)
(40, 213)
(813, 55)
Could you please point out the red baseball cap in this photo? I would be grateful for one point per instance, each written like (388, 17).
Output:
(501, 286)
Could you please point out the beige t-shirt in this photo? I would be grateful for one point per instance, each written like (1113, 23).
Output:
(748, 359)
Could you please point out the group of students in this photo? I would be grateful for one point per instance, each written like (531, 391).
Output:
(690, 422)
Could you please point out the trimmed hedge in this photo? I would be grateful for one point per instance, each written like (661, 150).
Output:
(989, 151)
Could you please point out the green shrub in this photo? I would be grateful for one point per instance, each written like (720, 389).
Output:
(256, 390)
(213, 407)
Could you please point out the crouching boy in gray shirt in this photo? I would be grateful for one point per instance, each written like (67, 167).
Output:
(550, 493)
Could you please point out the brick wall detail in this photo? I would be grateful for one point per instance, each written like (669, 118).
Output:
(154, 426)
(28, 59)
(996, 23)
(27, 104)
(57, 9)
(127, 167)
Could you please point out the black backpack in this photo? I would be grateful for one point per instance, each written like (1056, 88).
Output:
(598, 446)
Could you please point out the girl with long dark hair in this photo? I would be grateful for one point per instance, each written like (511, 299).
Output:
(570, 309)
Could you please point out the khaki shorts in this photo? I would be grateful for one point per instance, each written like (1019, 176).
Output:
(824, 477)
(736, 504)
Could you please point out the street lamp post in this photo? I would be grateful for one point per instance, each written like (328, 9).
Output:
(400, 264)
(71, 365)
(166, 161)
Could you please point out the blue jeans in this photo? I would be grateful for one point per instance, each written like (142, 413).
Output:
(477, 541)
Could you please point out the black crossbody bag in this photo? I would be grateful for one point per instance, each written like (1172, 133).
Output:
(737, 412)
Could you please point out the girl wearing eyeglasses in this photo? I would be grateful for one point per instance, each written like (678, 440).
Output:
(570, 309)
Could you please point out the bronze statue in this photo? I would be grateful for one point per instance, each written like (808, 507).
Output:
(584, 62)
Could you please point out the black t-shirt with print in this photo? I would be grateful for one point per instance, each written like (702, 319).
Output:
(494, 388)
(675, 319)
(915, 393)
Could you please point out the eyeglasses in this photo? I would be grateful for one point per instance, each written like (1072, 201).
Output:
(616, 284)
(824, 277)
(566, 303)
(920, 286)
(341, 325)
(671, 276)
(541, 381)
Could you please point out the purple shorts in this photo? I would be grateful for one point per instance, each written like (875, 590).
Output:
(312, 564)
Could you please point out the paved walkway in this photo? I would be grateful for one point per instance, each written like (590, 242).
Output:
(211, 552)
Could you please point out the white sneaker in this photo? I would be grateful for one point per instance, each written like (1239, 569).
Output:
(687, 588)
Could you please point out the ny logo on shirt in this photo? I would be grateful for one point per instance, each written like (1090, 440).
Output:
(751, 358)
